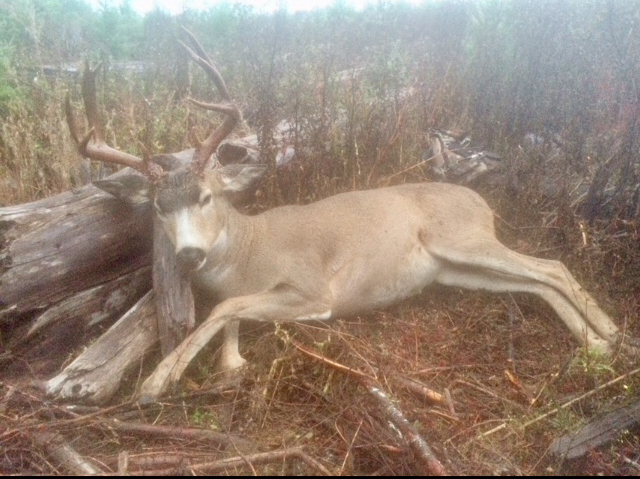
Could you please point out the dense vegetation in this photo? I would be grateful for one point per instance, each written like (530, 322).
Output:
(498, 69)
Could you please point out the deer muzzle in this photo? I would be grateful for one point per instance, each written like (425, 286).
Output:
(191, 258)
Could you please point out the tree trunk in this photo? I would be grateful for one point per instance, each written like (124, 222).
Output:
(70, 265)
(173, 297)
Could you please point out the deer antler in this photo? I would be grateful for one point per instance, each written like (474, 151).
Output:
(233, 115)
(92, 145)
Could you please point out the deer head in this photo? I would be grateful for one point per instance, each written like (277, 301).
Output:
(191, 201)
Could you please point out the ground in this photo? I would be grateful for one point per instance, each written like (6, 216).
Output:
(463, 343)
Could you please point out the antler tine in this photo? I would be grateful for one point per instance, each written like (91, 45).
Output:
(202, 59)
(89, 97)
(92, 145)
(71, 120)
(233, 115)
(230, 110)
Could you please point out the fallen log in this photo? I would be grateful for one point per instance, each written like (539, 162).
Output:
(173, 299)
(70, 265)
(96, 374)
(39, 348)
(96, 305)
(597, 432)
(54, 248)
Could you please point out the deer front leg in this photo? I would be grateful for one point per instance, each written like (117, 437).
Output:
(282, 303)
(230, 358)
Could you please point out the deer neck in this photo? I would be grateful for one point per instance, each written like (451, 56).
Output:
(232, 243)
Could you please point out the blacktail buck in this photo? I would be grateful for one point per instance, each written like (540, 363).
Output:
(348, 253)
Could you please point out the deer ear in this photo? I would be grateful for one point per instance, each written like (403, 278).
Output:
(231, 154)
(239, 178)
(132, 189)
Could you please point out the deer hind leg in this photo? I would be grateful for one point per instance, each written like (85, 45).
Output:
(491, 266)
(282, 303)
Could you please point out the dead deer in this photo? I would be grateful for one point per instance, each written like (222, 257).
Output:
(348, 253)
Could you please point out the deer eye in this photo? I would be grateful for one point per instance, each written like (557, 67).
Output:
(205, 200)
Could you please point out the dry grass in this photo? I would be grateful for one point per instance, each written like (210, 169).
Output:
(37, 157)
(286, 399)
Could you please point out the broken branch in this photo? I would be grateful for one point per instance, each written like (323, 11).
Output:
(240, 461)
(56, 447)
(415, 441)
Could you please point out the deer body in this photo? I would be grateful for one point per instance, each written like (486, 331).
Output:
(369, 248)
(350, 253)
(345, 254)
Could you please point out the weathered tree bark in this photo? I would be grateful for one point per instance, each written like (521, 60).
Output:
(95, 375)
(41, 346)
(173, 297)
(96, 305)
(597, 433)
(56, 247)
(67, 264)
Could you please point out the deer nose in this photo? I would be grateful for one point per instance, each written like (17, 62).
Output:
(191, 258)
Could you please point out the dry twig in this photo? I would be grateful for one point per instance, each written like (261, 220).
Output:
(225, 440)
(417, 444)
(238, 461)
(564, 406)
(420, 389)
(68, 458)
